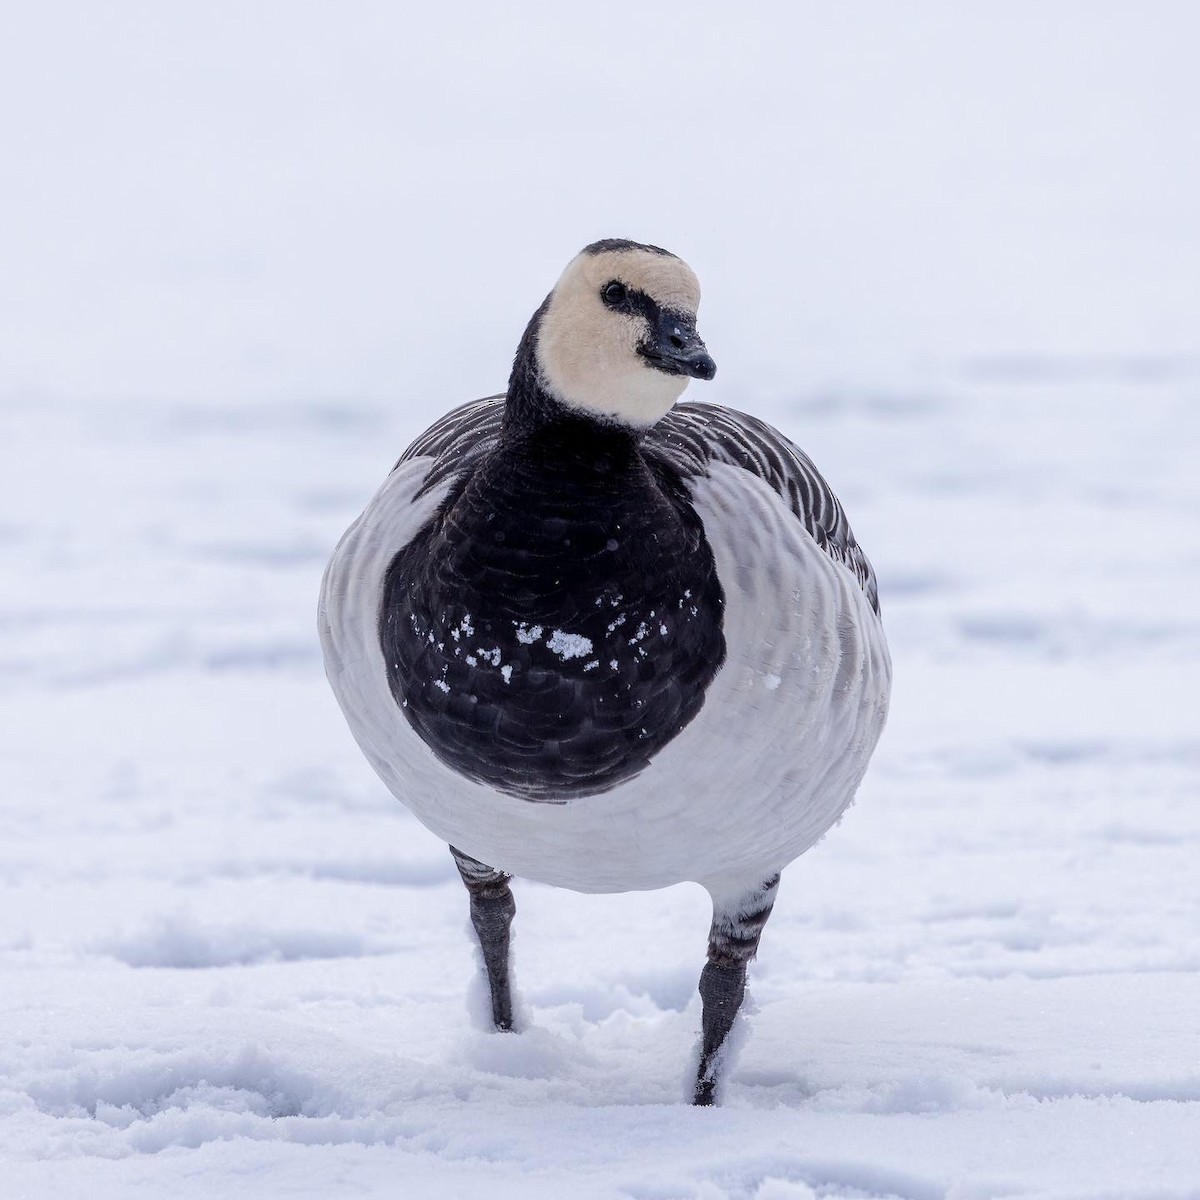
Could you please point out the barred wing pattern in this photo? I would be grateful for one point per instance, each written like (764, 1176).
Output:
(692, 435)
(458, 440)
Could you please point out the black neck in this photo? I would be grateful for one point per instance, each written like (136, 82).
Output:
(528, 405)
(530, 411)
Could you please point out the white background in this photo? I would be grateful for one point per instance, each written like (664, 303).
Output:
(247, 251)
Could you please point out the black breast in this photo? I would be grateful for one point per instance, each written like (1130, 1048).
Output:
(558, 621)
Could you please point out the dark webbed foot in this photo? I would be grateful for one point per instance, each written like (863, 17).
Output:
(732, 942)
(492, 910)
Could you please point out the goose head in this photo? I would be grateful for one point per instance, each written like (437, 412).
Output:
(616, 339)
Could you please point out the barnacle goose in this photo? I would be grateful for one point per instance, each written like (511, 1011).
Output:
(605, 641)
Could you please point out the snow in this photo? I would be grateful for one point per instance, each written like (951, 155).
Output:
(568, 645)
(249, 253)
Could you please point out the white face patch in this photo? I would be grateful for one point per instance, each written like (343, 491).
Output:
(587, 353)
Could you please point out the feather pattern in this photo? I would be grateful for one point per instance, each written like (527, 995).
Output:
(690, 438)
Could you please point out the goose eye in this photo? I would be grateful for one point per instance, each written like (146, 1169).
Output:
(613, 294)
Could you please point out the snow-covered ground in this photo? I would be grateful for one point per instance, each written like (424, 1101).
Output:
(248, 252)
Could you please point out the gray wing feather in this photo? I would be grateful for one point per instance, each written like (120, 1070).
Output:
(694, 434)
(458, 440)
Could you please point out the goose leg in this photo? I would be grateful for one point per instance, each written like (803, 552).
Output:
(492, 909)
(738, 921)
